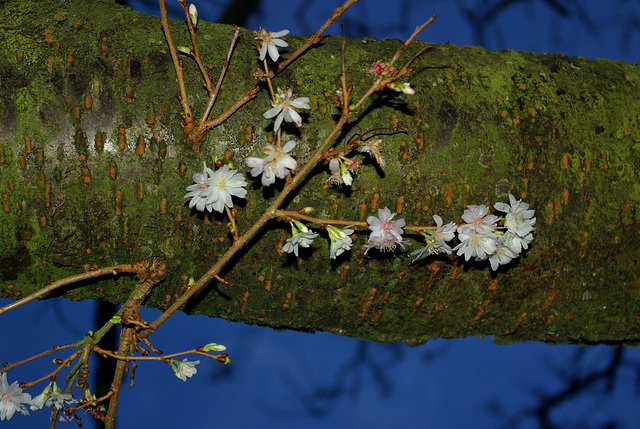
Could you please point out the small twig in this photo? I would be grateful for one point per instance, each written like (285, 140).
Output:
(125, 268)
(225, 66)
(162, 358)
(184, 101)
(8, 366)
(54, 372)
(320, 221)
(196, 51)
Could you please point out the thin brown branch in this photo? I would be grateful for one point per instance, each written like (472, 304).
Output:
(184, 100)
(225, 66)
(8, 366)
(124, 268)
(55, 371)
(196, 51)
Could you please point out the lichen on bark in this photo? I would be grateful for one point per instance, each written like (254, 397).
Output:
(93, 168)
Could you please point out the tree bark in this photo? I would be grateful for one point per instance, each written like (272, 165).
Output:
(93, 170)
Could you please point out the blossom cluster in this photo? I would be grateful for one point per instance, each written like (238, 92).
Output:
(13, 399)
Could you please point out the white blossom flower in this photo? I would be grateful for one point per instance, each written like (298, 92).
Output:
(478, 219)
(503, 255)
(406, 88)
(384, 243)
(200, 191)
(58, 399)
(383, 224)
(475, 244)
(340, 240)
(184, 369)
(518, 220)
(386, 233)
(213, 189)
(269, 42)
(12, 399)
(516, 242)
(285, 107)
(341, 169)
(373, 149)
(277, 164)
(225, 183)
(436, 240)
(300, 237)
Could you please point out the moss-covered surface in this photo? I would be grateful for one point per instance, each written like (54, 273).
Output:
(93, 168)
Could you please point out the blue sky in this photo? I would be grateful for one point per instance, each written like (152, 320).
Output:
(292, 380)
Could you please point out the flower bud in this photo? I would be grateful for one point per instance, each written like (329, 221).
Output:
(193, 14)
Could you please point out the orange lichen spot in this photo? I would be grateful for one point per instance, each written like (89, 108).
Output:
(449, 77)
(516, 120)
(448, 194)
(361, 210)
(127, 97)
(503, 113)
(323, 110)
(227, 155)
(565, 161)
(343, 272)
(522, 86)
(82, 157)
(163, 206)
(2, 160)
(5, 203)
(400, 204)
(122, 141)
(111, 171)
(394, 122)
(88, 102)
(140, 190)
(76, 113)
(248, 133)
(69, 58)
(140, 147)
(374, 202)
(493, 284)
(327, 93)
(43, 222)
(338, 292)
(150, 119)
(23, 164)
(551, 296)
(85, 177)
(261, 278)
(366, 304)
(178, 217)
(550, 207)
(88, 251)
(50, 65)
(221, 239)
(26, 191)
(40, 157)
(580, 179)
(99, 141)
(452, 88)
(28, 145)
(49, 37)
(530, 163)
(627, 131)
(313, 103)
(47, 195)
(565, 197)
(287, 301)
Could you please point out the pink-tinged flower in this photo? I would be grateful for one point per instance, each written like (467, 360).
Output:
(475, 244)
(277, 163)
(373, 149)
(386, 233)
(200, 191)
(285, 107)
(384, 243)
(383, 224)
(341, 169)
(380, 69)
(12, 399)
(436, 240)
(269, 41)
(478, 219)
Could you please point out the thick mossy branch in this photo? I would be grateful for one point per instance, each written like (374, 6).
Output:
(93, 170)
